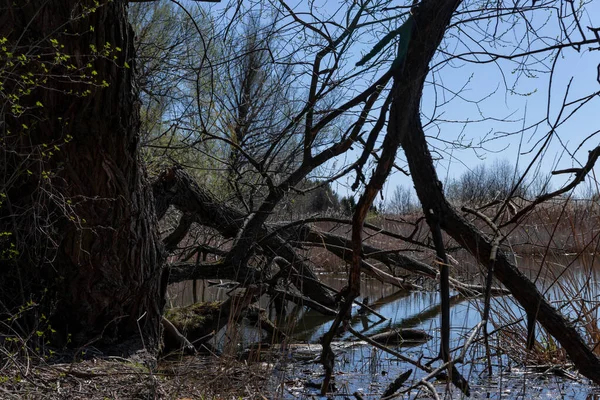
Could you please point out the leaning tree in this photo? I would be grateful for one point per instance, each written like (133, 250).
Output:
(421, 33)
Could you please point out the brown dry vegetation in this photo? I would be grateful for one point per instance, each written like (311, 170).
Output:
(557, 243)
(561, 227)
(570, 227)
(115, 378)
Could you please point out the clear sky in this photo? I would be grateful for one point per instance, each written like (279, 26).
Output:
(506, 100)
(524, 100)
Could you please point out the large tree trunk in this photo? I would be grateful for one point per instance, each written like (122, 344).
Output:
(78, 185)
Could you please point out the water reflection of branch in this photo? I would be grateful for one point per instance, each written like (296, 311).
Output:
(365, 306)
(437, 372)
(400, 294)
(365, 322)
(312, 322)
(428, 313)
(388, 350)
(451, 364)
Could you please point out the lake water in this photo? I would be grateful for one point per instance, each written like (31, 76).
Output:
(362, 368)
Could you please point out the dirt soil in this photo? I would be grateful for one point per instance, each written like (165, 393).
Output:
(181, 378)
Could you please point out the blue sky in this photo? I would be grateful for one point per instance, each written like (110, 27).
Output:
(504, 105)
(513, 103)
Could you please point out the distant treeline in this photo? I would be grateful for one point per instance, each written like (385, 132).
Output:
(480, 185)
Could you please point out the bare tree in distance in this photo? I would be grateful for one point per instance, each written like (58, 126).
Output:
(486, 183)
(402, 201)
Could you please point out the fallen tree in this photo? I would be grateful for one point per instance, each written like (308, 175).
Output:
(177, 188)
(494, 259)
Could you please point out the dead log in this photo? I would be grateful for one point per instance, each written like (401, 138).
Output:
(396, 384)
(173, 339)
(177, 188)
(198, 322)
(304, 301)
(400, 336)
(185, 271)
(340, 246)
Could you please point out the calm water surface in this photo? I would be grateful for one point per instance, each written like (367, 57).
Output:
(362, 368)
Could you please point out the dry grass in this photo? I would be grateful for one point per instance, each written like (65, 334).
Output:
(560, 227)
(113, 378)
(571, 283)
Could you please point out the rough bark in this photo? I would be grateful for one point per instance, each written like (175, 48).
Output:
(104, 274)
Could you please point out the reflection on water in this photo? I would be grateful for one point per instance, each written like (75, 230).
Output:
(181, 294)
(368, 370)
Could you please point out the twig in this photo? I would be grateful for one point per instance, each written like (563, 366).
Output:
(388, 350)
(488, 285)
(366, 307)
(429, 386)
(491, 224)
(450, 364)
(394, 386)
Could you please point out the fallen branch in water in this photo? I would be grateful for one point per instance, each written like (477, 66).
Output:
(398, 382)
(362, 304)
(456, 377)
(388, 350)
